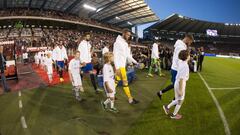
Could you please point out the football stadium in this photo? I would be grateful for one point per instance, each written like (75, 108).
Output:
(119, 67)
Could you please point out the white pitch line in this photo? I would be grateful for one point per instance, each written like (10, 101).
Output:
(19, 93)
(233, 88)
(221, 113)
(23, 121)
(20, 104)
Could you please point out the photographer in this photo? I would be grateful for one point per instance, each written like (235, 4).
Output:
(2, 68)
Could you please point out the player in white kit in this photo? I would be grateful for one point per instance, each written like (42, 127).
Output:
(74, 75)
(48, 62)
(109, 82)
(180, 85)
(36, 59)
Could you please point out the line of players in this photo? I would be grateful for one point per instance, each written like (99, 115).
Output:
(121, 54)
(82, 63)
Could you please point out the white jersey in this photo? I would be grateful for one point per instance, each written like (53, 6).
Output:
(36, 58)
(182, 73)
(74, 66)
(48, 63)
(54, 53)
(155, 52)
(179, 46)
(74, 69)
(121, 52)
(40, 54)
(105, 50)
(60, 54)
(108, 76)
(25, 55)
(85, 51)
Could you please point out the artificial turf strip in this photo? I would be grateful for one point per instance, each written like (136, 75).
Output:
(53, 111)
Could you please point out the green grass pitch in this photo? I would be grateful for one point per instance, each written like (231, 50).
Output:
(53, 110)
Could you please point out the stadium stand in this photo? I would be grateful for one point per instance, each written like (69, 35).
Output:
(223, 38)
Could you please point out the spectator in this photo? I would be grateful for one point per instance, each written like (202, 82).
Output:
(2, 68)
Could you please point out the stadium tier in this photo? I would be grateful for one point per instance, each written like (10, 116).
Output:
(219, 38)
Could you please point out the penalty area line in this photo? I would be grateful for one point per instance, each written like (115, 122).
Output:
(221, 113)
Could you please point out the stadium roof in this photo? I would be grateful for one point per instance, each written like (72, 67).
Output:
(123, 13)
(180, 24)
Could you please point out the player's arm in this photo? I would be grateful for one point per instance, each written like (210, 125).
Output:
(70, 71)
(129, 56)
(82, 64)
(65, 54)
(70, 76)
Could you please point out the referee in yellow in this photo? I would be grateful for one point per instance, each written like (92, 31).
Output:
(121, 55)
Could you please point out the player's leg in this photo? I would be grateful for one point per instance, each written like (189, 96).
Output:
(169, 87)
(105, 103)
(151, 67)
(80, 83)
(201, 61)
(175, 114)
(50, 78)
(92, 77)
(60, 65)
(117, 78)
(112, 107)
(77, 93)
(126, 89)
(158, 63)
(198, 65)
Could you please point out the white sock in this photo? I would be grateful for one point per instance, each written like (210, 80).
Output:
(160, 92)
(112, 103)
(77, 91)
(107, 101)
(177, 108)
(174, 102)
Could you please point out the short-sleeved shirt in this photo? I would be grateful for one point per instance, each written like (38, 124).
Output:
(85, 51)
(179, 46)
(25, 55)
(182, 71)
(74, 66)
(108, 75)
(48, 61)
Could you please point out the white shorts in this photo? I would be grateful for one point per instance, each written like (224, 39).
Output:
(176, 90)
(49, 70)
(112, 86)
(77, 81)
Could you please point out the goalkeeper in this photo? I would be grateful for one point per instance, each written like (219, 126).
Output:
(122, 54)
(155, 61)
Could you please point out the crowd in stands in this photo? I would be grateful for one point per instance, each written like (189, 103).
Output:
(40, 37)
(53, 14)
